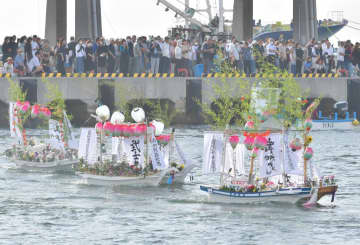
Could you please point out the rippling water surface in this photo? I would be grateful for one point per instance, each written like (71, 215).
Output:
(46, 208)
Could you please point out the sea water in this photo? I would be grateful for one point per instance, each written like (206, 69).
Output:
(48, 208)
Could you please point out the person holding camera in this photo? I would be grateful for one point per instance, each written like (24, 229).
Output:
(80, 56)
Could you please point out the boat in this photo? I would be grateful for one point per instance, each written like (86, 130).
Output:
(211, 18)
(285, 32)
(341, 119)
(58, 153)
(140, 154)
(279, 169)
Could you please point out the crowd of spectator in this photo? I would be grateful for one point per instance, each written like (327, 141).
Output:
(32, 56)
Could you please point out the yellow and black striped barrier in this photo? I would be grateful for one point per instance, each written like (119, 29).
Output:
(109, 75)
(266, 75)
(171, 75)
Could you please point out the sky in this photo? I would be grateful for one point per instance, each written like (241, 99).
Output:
(121, 18)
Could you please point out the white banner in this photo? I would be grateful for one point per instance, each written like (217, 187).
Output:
(88, 145)
(55, 139)
(213, 150)
(182, 155)
(270, 159)
(72, 142)
(236, 164)
(157, 157)
(165, 150)
(291, 159)
(13, 120)
(134, 150)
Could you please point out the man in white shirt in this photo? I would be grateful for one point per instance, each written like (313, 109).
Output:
(340, 56)
(80, 56)
(271, 51)
(165, 58)
(34, 65)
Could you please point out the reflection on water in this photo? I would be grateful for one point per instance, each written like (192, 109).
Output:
(47, 208)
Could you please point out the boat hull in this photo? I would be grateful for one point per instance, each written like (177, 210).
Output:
(291, 195)
(66, 165)
(178, 177)
(324, 33)
(138, 181)
(321, 125)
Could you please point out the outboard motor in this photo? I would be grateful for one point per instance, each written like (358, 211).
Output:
(341, 108)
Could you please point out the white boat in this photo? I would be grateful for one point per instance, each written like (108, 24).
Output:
(273, 163)
(136, 181)
(139, 151)
(61, 166)
(291, 195)
(42, 156)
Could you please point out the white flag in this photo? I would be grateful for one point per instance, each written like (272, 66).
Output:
(13, 121)
(88, 145)
(270, 159)
(56, 140)
(72, 142)
(213, 150)
(134, 150)
(236, 164)
(157, 157)
(291, 159)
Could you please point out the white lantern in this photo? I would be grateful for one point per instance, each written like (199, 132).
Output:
(159, 127)
(103, 112)
(117, 118)
(138, 114)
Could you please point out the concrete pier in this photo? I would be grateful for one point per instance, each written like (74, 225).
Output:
(87, 19)
(305, 20)
(81, 93)
(56, 20)
(242, 26)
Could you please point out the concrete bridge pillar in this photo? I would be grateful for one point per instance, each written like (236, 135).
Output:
(242, 26)
(305, 20)
(87, 19)
(56, 20)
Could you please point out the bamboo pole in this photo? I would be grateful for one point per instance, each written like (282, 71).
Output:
(305, 168)
(251, 169)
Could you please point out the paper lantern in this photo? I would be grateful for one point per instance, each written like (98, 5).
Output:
(163, 139)
(117, 130)
(99, 127)
(138, 114)
(265, 116)
(140, 129)
(295, 144)
(308, 154)
(109, 128)
(45, 112)
(260, 142)
(308, 124)
(254, 153)
(25, 106)
(103, 113)
(159, 127)
(234, 140)
(249, 125)
(117, 117)
(35, 111)
(249, 143)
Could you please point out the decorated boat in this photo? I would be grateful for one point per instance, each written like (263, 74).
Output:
(140, 154)
(49, 154)
(56, 152)
(280, 158)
